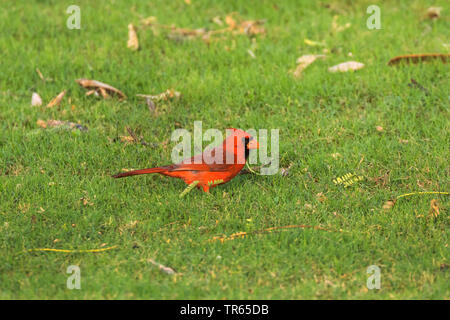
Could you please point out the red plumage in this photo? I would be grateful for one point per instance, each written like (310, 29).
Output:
(210, 168)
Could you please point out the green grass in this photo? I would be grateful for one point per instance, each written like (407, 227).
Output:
(319, 115)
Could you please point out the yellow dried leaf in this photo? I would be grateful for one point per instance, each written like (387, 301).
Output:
(346, 66)
(304, 61)
(434, 12)
(166, 95)
(388, 205)
(97, 86)
(56, 100)
(133, 42)
(127, 139)
(41, 123)
(434, 208)
(230, 22)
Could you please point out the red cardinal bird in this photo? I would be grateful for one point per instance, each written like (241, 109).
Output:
(212, 167)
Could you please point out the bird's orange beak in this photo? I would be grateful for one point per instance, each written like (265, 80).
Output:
(253, 144)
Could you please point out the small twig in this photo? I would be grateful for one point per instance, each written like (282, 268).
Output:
(415, 84)
(135, 138)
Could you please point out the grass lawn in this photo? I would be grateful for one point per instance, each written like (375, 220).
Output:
(55, 185)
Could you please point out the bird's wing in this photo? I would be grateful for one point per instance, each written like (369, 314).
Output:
(198, 163)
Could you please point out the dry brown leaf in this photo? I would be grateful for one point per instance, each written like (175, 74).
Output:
(94, 92)
(304, 61)
(321, 197)
(161, 267)
(285, 171)
(127, 139)
(99, 87)
(133, 42)
(149, 21)
(150, 104)
(434, 208)
(252, 27)
(36, 100)
(388, 205)
(166, 95)
(416, 58)
(434, 12)
(104, 94)
(230, 21)
(56, 100)
(189, 33)
(217, 21)
(346, 66)
(41, 123)
(59, 123)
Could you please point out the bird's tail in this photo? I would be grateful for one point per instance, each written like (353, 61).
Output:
(142, 171)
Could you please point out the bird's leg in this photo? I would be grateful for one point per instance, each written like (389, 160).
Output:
(206, 189)
(189, 188)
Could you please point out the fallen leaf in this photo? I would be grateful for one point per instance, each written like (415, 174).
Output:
(416, 58)
(434, 208)
(104, 94)
(41, 123)
(321, 197)
(59, 123)
(336, 155)
(148, 21)
(346, 66)
(150, 104)
(252, 27)
(388, 205)
(166, 95)
(434, 12)
(36, 100)
(161, 267)
(230, 21)
(304, 61)
(133, 42)
(56, 100)
(217, 21)
(285, 171)
(97, 86)
(127, 139)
